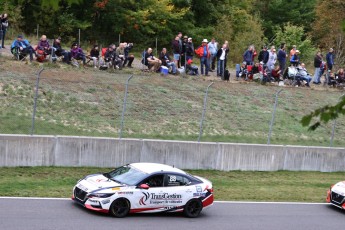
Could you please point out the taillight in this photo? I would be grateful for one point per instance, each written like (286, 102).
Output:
(210, 190)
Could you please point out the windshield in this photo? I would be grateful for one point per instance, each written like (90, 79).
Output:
(126, 175)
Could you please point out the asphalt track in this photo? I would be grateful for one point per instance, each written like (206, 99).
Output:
(56, 214)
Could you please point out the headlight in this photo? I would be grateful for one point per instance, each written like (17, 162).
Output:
(100, 195)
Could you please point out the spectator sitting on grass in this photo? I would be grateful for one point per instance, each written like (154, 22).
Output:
(43, 44)
(77, 53)
(151, 61)
(59, 51)
(94, 55)
(128, 58)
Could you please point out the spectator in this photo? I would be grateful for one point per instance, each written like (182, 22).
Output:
(189, 49)
(317, 65)
(77, 53)
(23, 46)
(151, 61)
(204, 55)
(94, 55)
(43, 44)
(293, 51)
(330, 59)
(340, 76)
(165, 59)
(191, 69)
(213, 48)
(221, 56)
(276, 72)
(120, 54)
(295, 58)
(3, 27)
(128, 58)
(281, 56)
(176, 51)
(109, 55)
(305, 76)
(248, 55)
(59, 51)
(272, 59)
(226, 43)
(263, 55)
(183, 51)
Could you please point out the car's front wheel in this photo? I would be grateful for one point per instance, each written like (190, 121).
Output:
(193, 208)
(119, 208)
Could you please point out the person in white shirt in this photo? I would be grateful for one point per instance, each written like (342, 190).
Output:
(272, 58)
(221, 56)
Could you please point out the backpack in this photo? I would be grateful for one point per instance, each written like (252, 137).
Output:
(226, 75)
(199, 51)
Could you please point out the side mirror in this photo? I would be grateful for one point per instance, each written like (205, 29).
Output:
(144, 186)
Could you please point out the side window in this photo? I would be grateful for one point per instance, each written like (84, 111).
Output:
(176, 180)
(154, 181)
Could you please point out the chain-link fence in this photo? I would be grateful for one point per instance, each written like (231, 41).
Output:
(94, 103)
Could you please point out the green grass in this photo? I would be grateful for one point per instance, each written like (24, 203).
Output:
(89, 103)
(233, 186)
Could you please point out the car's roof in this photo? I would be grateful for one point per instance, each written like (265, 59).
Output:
(156, 167)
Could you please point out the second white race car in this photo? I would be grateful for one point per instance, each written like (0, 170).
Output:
(144, 188)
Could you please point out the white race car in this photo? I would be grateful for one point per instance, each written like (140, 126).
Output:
(144, 188)
(336, 195)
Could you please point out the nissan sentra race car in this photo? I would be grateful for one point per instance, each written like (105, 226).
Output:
(144, 188)
(336, 195)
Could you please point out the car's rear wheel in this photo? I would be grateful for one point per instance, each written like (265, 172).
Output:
(193, 208)
(119, 208)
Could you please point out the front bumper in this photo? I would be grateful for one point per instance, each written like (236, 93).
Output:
(336, 199)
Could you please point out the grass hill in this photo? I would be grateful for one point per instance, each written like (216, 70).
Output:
(89, 102)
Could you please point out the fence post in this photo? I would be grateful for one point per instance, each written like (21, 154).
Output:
(156, 47)
(124, 106)
(119, 39)
(334, 124)
(79, 37)
(35, 101)
(38, 27)
(204, 111)
(273, 115)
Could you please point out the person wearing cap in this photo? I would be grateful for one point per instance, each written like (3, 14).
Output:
(213, 48)
(248, 55)
(263, 55)
(189, 49)
(191, 69)
(23, 46)
(204, 55)
(58, 51)
(165, 59)
(183, 51)
(330, 59)
(295, 59)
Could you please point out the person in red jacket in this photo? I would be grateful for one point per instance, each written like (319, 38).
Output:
(204, 55)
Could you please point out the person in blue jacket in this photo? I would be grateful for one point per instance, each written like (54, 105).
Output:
(330, 59)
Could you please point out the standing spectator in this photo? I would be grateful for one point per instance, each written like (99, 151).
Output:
(94, 55)
(183, 51)
(59, 51)
(263, 55)
(317, 65)
(3, 27)
(221, 56)
(128, 58)
(226, 43)
(330, 59)
(176, 51)
(295, 59)
(248, 55)
(281, 56)
(189, 49)
(164, 57)
(213, 48)
(204, 55)
(293, 51)
(272, 58)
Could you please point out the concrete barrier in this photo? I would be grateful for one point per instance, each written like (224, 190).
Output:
(22, 150)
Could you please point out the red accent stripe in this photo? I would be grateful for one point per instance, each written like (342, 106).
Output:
(136, 210)
(96, 209)
(208, 200)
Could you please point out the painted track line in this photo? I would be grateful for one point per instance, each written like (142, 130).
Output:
(221, 202)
